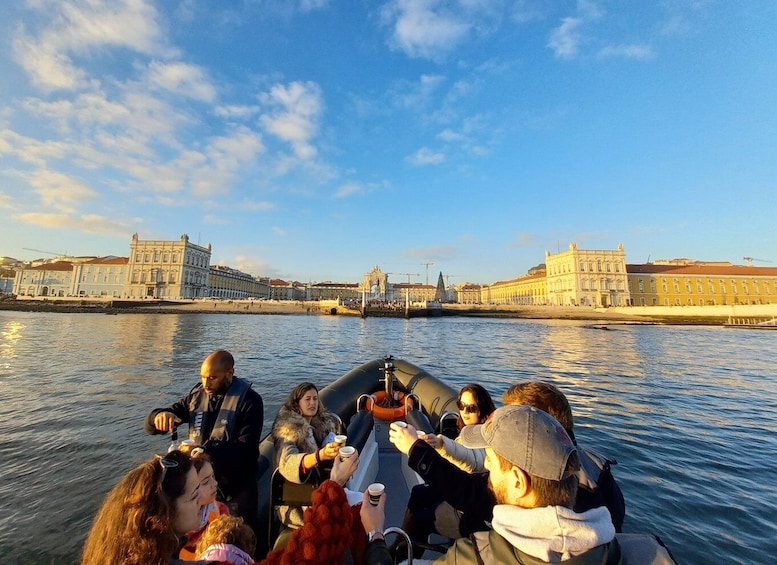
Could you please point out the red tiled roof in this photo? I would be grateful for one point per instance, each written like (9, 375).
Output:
(108, 260)
(707, 270)
(56, 266)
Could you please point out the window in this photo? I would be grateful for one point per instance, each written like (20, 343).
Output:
(175, 257)
(711, 286)
(584, 284)
(642, 301)
(734, 286)
(156, 256)
(617, 267)
(146, 257)
(608, 267)
(698, 286)
(164, 258)
(641, 286)
(653, 286)
(688, 286)
(745, 288)
(582, 266)
(722, 286)
(677, 286)
(590, 266)
(755, 287)
(599, 266)
(137, 257)
(663, 287)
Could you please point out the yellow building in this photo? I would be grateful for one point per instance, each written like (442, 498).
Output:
(329, 290)
(689, 283)
(587, 277)
(468, 293)
(530, 289)
(228, 283)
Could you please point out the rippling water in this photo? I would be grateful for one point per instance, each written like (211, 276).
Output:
(690, 413)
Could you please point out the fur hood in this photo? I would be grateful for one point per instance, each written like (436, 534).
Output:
(293, 427)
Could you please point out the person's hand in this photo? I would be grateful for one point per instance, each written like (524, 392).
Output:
(373, 517)
(329, 452)
(164, 421)
(342, 470)
(402, 437)
(434, 440)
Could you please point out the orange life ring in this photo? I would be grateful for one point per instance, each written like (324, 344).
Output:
(377, 404)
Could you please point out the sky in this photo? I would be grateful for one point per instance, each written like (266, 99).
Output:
(311, 140)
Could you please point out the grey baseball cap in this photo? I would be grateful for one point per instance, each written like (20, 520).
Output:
(527, 437)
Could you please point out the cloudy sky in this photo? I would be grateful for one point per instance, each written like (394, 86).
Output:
(314, 139)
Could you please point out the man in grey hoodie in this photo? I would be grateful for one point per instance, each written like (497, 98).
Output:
(532, 463)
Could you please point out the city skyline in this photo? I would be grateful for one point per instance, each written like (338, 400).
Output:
(310, 140)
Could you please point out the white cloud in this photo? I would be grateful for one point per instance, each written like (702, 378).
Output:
(60, 191)
(426, 156)
(213, 219)
(523, 239)
(88, 223)
(451, 136)
(295, 117)
(235, 111)
(565, 39)
(5, 200)
(278, 231)
(348, 189)
(256, 206)
(642, 52)
(183, 79)
(425, 28)
(79, 27)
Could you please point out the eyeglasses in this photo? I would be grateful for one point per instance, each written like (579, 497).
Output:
(166, 464)
(467, 408)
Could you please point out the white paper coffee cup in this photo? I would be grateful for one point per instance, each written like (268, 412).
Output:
(346, 451)
(374, 491)
(399, 424)
(341, 439)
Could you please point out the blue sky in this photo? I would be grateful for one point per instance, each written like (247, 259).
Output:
(314, 139)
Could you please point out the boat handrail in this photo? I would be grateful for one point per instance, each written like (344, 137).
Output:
(443, 417)
(366, 397)
(416, 399)
(404, 534)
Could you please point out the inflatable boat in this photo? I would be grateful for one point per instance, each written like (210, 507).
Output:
(367, 399)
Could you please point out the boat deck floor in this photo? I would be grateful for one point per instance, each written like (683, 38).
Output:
(397, 493)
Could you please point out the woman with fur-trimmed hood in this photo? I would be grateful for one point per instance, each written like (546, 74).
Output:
(304, 435)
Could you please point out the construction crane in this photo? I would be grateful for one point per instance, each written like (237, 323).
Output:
(750, 260)
(448, 279)
(427, 271)
(46, 252)
(409, 275)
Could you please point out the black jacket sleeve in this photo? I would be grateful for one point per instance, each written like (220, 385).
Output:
(180, 409)
(466, 492)
(378, 554)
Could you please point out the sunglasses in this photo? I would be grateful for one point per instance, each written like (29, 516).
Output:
(166, 464)
(467, 408)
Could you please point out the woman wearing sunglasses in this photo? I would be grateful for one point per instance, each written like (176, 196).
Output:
(146, 514)
(475, 406)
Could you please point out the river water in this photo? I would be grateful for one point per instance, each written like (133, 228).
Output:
(690, 413)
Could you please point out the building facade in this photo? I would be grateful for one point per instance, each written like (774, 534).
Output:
(585, 277)
(167, 269)
(690, 283)
(329, 290)
(49, 279)
(231, 284)
(102, 277)
(528, 290)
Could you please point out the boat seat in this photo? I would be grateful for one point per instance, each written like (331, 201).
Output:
(287, 493)
(359, 429)
(419, 421)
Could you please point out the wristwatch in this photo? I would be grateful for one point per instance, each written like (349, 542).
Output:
(377, 532)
